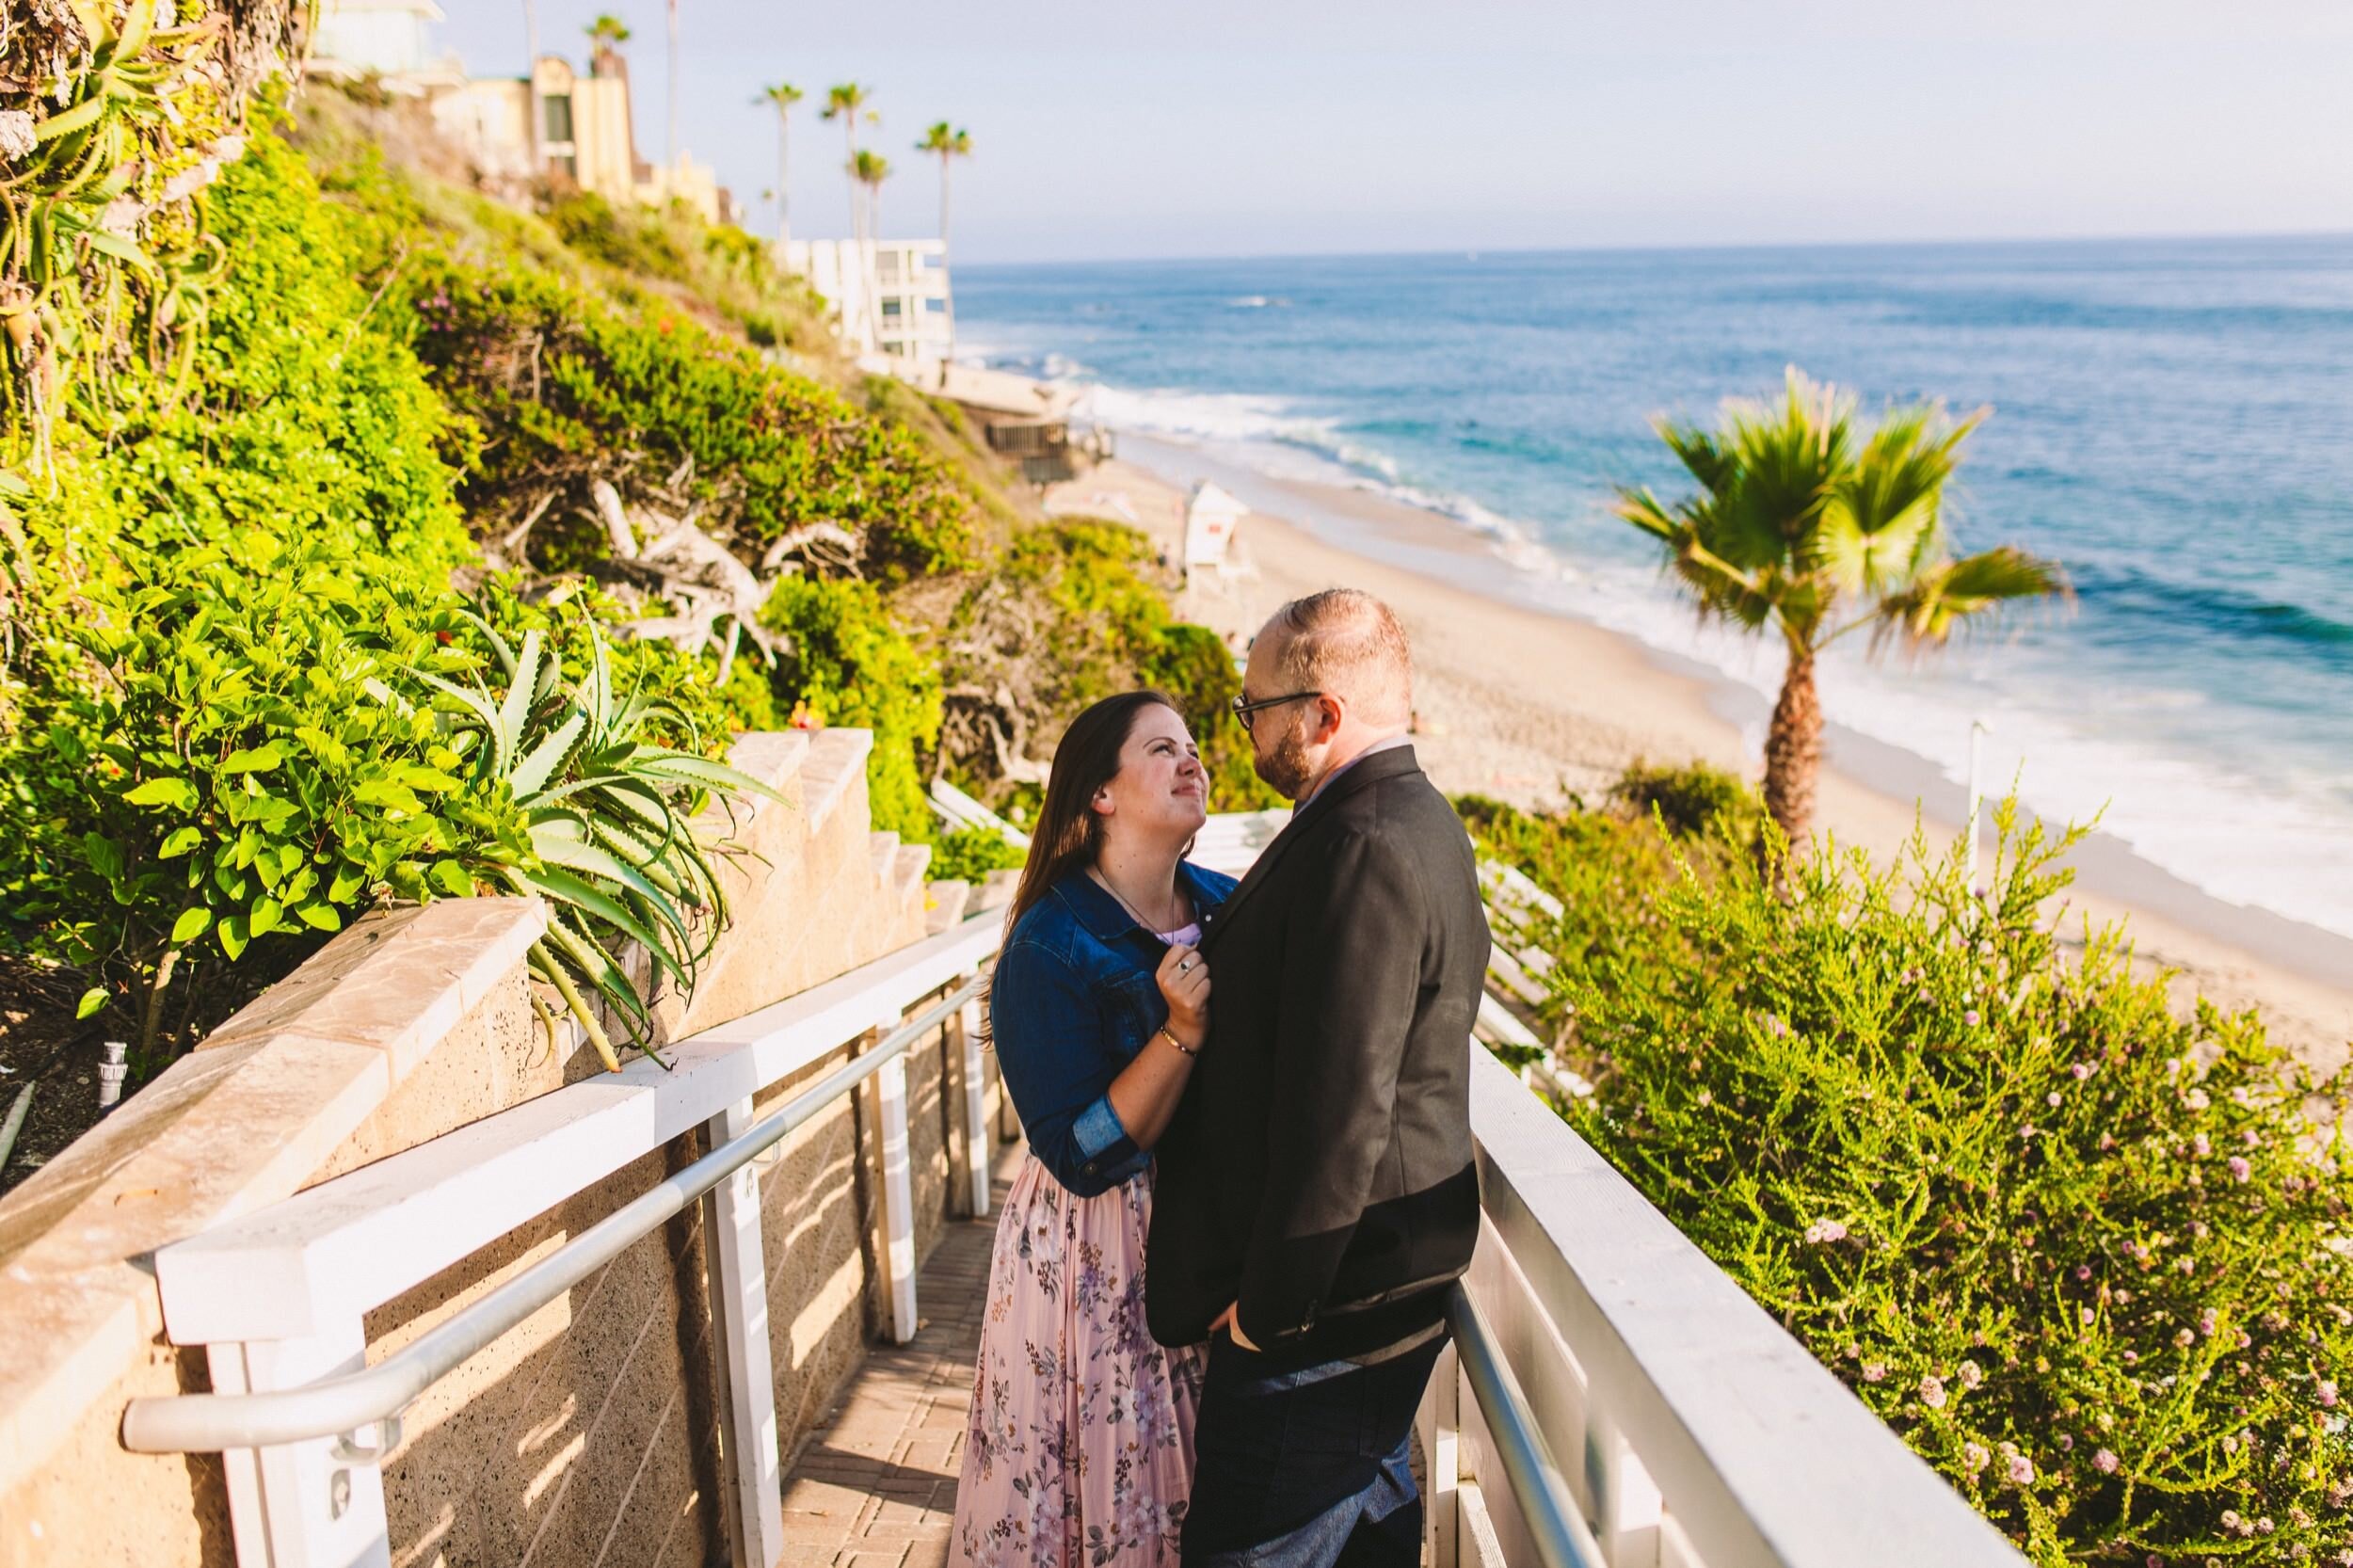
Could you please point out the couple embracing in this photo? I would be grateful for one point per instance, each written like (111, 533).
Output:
(1219, 1283)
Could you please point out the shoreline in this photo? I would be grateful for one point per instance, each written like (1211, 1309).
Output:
(1487, 728)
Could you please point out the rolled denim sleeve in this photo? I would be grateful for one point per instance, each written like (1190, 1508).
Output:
(1052, 1047)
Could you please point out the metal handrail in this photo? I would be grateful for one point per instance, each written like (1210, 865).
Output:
(1555, 1522)
(211, 1423)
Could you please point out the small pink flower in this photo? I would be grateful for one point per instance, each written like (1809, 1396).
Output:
(2108, 1142)
(2080, 1071)
(2067, 1444)
(2196, 1100)
(2206, 1323)
(2185, 1337)
(1969, 1374)
(2021, 1470)
(2052, 1099)
(1932, 1392)
(2103, 1462)
(1970, 1017)
(1874, 1372)
(1823, 1232)
(1974, 1457)
(2328, 1392)
(2241, 1172)
(2200, 1148)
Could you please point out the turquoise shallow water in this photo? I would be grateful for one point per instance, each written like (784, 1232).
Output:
(2173, 420)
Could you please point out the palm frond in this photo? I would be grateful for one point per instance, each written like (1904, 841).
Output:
(1944, 599)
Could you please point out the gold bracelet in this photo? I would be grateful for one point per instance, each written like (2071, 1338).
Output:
(1189, 1050)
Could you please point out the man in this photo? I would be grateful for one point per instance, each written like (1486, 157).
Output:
(1316, 1192)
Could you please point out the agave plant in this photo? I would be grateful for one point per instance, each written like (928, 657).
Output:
(606, 827)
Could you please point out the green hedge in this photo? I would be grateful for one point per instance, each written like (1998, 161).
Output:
(2090, 1257)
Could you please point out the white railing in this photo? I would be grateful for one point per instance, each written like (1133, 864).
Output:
(1635, 1406)
(278, 1298)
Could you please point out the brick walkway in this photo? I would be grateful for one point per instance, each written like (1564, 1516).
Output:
(876, 1485)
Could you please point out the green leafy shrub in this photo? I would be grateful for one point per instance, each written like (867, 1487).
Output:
(1693, 800)
(1069, 618)
(969, 854)
(567, 388)
(2090, 1258)
(852, 664)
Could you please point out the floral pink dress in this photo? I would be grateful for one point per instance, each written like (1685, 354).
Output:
(1078, 1450)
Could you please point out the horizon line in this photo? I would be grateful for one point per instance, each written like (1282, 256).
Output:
(1640, 247)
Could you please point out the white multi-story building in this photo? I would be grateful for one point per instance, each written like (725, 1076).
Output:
(889, 296)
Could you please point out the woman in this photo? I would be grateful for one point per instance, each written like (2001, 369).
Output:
(1078, 1450)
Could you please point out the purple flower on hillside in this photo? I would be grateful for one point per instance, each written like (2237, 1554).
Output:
(1970, 1017)
(2021, 1470)
(1823, 1232)
(2206, 1323)
(1932, 1392)
(2200, 1148)
(2240, 1170)
(1974, 1457)
(2080, 1071)
(2328, 1392)
(1874, 1372)
(1969, 1374)
(2103, 1462)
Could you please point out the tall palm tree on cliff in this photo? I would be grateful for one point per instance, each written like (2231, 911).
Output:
(531, 85)
(1811, 526)
(607, 32)
(669, 151)
(947, 144)
(869, 169)
(783, 96)
(845, 104)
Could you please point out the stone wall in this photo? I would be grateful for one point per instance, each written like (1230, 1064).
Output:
(585, 1435)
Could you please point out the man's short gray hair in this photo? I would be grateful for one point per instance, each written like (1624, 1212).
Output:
(1347, 642)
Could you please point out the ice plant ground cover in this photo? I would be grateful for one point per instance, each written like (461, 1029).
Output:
(2087, 1255)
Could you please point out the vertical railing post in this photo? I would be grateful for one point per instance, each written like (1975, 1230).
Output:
(754, 1507)
(1626, 1505)
(977, 1138)
(1439, 1425)
(891, 1081)
(318, 1504)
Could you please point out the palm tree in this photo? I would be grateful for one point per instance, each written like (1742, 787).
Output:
(871, 169)
(844, 104)
(670, 152)
(1798, 513)
(531, 84)
(783, 95)
(607, 32)
(947, 144)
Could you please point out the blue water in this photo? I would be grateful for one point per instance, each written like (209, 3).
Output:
(2173, 421)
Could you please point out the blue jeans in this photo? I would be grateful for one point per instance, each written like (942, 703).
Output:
(1306, 1467)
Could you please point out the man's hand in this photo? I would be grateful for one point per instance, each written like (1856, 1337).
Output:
(1230, 1320)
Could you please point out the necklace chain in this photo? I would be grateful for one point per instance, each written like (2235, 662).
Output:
(1105, 882)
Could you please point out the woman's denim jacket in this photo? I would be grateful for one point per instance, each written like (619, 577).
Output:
(1073, 1001)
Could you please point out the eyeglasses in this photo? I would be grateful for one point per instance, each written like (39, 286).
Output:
(1247, 712)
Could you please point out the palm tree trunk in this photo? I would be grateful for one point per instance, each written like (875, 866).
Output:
(531, 88)
(671, 151)
(1793, 752)
(943, 206)
(784, 172)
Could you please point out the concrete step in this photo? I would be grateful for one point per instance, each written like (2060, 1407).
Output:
(996, 889)
(883, 850)
(837, 758)
(947, 906)
(907, 867)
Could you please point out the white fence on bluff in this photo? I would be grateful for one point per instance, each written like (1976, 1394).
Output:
(1613, 1398)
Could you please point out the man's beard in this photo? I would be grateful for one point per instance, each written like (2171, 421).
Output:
(1285, 767)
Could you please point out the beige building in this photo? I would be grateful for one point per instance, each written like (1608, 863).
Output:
(585, 130)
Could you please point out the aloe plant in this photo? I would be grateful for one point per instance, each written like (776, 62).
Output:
(607, 835)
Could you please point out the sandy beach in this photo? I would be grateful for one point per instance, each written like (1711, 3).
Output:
(1533, 707)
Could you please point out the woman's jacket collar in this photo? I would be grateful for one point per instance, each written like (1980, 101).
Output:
(1107, 920)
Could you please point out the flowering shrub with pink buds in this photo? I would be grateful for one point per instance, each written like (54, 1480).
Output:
(2089, 1257)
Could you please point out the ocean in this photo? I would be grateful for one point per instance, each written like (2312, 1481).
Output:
(2172, 422)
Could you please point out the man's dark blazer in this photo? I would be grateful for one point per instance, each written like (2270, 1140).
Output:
(1320, 1170)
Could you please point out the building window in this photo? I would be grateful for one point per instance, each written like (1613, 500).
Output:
(559, 117)
(890, 309)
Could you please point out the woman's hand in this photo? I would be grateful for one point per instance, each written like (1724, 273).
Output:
(1184, 980)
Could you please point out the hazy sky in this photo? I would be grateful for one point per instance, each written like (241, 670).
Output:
(1248, 127)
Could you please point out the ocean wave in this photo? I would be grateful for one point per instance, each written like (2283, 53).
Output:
(2210, 608)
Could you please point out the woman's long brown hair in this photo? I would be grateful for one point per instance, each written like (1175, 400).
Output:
(1069, 831)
